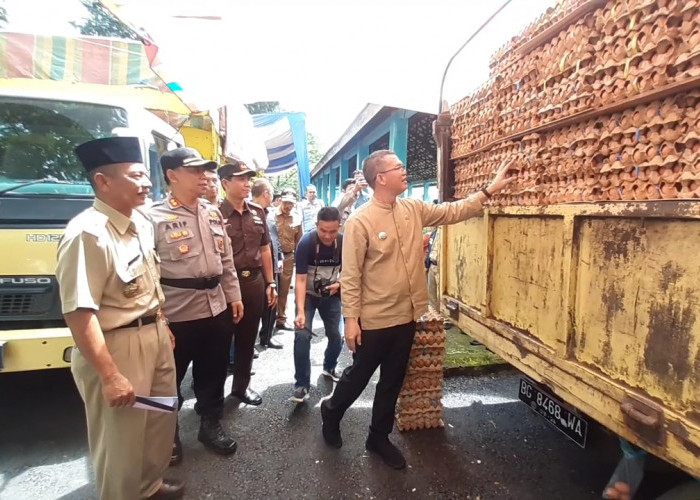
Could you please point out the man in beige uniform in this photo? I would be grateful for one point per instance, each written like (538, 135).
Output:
(289, 233)
(108, 276)
(202, 296)
(384, 292)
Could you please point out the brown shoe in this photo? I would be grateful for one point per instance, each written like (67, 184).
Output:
(171, 488)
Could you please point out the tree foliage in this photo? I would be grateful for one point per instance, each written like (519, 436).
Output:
(288, 179)
(262, 107)
(314, 153)
(101, 22)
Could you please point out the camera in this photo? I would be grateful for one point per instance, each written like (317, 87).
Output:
(320, 287)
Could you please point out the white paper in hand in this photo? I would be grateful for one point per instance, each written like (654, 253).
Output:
(166, 404)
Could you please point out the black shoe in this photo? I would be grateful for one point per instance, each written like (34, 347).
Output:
(330, 428)
(273, 344)
(391, 455)
(171, 488)
(284, 326)
(212, 435)
(250, 397)
(176, 456)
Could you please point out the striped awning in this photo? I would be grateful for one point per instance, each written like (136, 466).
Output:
(84, 59)
(284, 135)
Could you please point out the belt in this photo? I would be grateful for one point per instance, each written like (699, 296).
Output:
(249, 273)
(142, 321)
(193, 283)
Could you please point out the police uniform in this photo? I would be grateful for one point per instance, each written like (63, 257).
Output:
(289, 231)
(200, 283)
(107, 264)
(248, 232)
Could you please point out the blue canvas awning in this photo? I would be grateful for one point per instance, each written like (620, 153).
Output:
(284, 135)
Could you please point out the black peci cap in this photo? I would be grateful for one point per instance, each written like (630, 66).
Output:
(109, 150)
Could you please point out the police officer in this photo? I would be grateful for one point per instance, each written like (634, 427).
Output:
(111, 298)
(250, 240)
(202, 296)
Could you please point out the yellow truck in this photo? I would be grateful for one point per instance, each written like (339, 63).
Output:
(42, 186)
(584, 274)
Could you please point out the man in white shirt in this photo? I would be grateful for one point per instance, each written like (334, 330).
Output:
(308, 209)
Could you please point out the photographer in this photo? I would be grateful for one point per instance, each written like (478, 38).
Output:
(352, 196)
(318, 256)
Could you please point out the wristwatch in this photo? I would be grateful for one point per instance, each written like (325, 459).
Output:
(271, 284)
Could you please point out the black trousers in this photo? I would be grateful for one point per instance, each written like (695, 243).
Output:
(205, 343)
(268, 320)
(388, 349)
(246, 331)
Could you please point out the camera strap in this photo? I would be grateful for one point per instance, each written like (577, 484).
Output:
(336, 253)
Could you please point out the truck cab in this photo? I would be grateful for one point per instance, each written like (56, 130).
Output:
(42, 186)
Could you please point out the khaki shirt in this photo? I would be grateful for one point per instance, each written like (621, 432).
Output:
(248, 232)
(383, 280)
(288, 231)
(193, 244)
(107, 263)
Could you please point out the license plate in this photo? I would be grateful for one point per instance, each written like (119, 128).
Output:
(556, 413)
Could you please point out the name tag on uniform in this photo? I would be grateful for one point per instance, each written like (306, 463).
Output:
(257, 219)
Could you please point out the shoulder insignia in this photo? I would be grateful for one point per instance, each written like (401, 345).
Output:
(173, 203)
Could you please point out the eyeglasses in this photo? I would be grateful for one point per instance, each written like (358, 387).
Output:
(398, 167)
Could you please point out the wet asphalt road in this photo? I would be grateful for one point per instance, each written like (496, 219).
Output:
(493, 446)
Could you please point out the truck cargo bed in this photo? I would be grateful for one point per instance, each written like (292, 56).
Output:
(598, 302)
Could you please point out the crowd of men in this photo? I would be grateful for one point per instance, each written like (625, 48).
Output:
(194, 280)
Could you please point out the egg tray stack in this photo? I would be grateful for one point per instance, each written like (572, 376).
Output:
(420, 400)
(547, 103)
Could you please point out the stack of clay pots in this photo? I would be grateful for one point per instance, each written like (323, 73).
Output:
(625, 51)
(420, 401)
